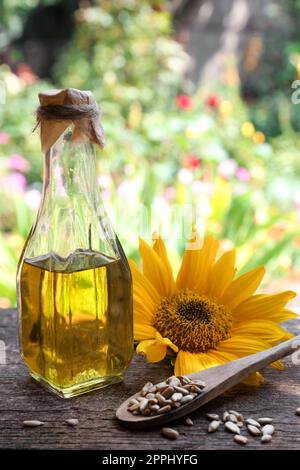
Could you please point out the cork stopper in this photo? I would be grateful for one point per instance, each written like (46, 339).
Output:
(61, 108)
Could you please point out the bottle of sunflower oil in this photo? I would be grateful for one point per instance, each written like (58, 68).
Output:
(73, 281)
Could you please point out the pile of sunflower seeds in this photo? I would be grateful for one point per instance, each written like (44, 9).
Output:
(165, 396)
(233, 422)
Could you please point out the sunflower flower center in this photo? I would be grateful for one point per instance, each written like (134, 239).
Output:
(193, 322)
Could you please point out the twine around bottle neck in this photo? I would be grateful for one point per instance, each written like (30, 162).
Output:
(69, 112)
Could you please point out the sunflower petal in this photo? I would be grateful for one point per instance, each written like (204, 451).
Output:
(263, 330)
(143, 331)
(196, 264)
(166, 341)
(143, 311)
(143, 285)
(160, 248)
(187, 362)
(264, 306)
(221, 274)
(242, 345)
(254, 379)
(153, 349)
(155, 270)
(243, 287)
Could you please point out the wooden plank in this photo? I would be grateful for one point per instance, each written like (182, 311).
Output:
(22, 399)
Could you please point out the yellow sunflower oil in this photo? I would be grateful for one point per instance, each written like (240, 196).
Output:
(76, 320)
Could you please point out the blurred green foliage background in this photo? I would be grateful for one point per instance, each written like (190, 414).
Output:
(168, 142)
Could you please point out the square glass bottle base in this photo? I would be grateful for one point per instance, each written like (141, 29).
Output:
(78, 389)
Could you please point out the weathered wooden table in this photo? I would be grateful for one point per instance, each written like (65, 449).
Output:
(21, 398)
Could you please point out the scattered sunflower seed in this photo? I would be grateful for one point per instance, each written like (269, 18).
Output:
(225, 416)
(212, 417)
(169, 433)
(232, 427)
(266, 438)
(264, 421)
(72, 422)
(253, 430)
(297, 412)
(213, 426)
(32, 423)
(240, 439)
(189, 422)
(268, 429)
(232, 418)
(238, 415)
(253, 422)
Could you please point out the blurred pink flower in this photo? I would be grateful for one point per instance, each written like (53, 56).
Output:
(243, 174)
(227, 168)
(4, 138)
(104, 180)
(17, 162)
(170, 192)
(127, 189)
(15, 182)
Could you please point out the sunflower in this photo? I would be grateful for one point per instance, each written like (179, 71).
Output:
(207, 316)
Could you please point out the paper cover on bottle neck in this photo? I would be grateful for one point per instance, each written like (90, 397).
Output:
(61, 108)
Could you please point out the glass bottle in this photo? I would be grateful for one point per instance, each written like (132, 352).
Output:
(73, 281)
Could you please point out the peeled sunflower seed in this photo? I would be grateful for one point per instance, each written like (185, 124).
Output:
(225, 416)
(297, 412)
(189, 422)
(268, 429)
(72, 422)
(170, 433)
(238, 415)
(264, 421)
(186, 399)
(232, 418)
(134, 407)
(253, 430)
(32, 423)
(184, 391)
(199, 383)
(176, 397)
(212, 416)
(164, 409)
(253, 422)
(143, 404)
(240, 439)
(232, 427)
(266, 438)
(168, 392)
(133, 401)
(213, 426)
(174, 382)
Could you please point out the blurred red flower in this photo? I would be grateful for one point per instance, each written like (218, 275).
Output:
(192, 162)
(213, 101)
(184, 102)
(25, 72)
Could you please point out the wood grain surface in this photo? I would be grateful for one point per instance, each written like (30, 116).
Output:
(21, 398)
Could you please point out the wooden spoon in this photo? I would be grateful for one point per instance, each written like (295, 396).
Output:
(218, 380)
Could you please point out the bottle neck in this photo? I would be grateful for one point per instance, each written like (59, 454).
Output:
(70, 173)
